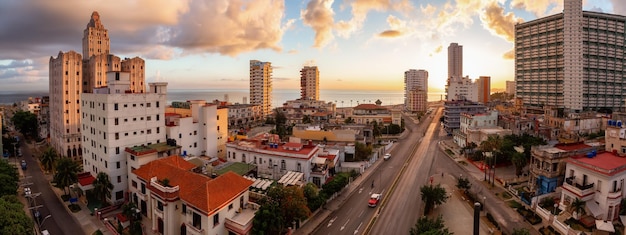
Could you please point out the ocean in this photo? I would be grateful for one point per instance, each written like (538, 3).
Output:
(343, 98)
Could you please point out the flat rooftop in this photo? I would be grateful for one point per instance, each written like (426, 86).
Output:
(604, 162)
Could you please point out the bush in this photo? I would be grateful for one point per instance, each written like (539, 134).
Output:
(549, 231)
(492, 220)
(530, 216)
(74, 208)
(65, 197)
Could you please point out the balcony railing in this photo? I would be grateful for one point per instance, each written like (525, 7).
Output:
(584, 191)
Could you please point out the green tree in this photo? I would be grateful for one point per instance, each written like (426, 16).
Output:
(306, 119)
(578, 206)
(8, 179)
(348, 120)
(130, 211)
(13, 219)
(102, 187)
(430, 226)
(26, 123)
(463, 183)
(432, 196)
(376, 130)
(279, 209)
(66, 173)
(48, 158)
(314, 199)
(361, 151)
(519, 161)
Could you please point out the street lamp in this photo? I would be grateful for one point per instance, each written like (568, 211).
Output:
(484, 200)
(44, 220)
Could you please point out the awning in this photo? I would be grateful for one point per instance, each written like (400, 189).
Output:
(594, 208)
(85, 181)
(605, 226)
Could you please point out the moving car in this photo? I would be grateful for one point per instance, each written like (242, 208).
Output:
(387, 156)
(23, 165)
(374, 199)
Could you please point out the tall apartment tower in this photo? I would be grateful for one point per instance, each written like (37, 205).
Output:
(114, 119)
(483, 83)
(95, 38)
(65, 86)
(455, 62)
(261, 85)
(415, 84)
(310, 83)
(136, 69)
(573, 60)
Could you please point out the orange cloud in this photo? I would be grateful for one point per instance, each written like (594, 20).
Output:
(398, 28)
(499, 23)
(360, 8)
(509, 55)
(319, 16)
(390, 33)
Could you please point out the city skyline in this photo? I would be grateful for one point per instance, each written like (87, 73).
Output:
(353, 43)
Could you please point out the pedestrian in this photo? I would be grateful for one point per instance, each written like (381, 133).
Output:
(372, 184)
(441, 174)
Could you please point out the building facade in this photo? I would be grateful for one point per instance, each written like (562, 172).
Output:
(455, 61)
(416, 100)
(114, 119)
(261, 85)
(510, 87)
(452, 111)
(310, 83)
(462, 88)
(483, 84)
(414, 82)
(65, 88)
(573, 60)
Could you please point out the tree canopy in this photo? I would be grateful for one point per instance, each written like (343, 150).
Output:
(429, 226)
(26, 123)
(102, 186)
(281, 207)
(66, 173)
(432, 196)
(13, 219)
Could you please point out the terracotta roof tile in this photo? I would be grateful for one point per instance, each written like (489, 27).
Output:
(198, 190)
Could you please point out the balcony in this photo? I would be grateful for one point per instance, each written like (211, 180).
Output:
(241, 223)
(617, 195)
(584, 192)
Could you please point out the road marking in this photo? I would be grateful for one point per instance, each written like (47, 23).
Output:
(344, 225)
(357, 228)
(331, 221)
(360, 190)
(361, 213)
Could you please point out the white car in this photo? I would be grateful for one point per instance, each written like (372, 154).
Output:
(374, 199)
(27, 191)
(387, 156)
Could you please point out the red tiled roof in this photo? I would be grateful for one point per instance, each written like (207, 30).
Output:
(329, 157)
(200, 191)
(292, 145)
(606, 163)
(369, 106)
(172, 114)
(85, 179)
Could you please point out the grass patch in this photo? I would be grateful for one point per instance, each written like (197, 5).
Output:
(506, 195)
(463, 163)
(529, 216)
(449, 152)
(514, 204)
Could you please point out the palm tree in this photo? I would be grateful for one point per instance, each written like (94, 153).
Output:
(376, 129)
(519, 160)
(48, 158)
(432, 196)
(102, 187)
(578, 206)
(66, 173)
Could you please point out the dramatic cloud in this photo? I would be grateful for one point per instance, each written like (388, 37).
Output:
(390, 34)
(398, 28)
(509, 55)
(359, 11)
(24, 71)
(539, 7)
(498, 23)
(319, 16)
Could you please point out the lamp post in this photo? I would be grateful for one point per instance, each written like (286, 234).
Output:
(493, 178)
(486, 155)
(484, 202)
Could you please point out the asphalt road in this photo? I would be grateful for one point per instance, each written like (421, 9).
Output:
(61, 222)
(355, 214)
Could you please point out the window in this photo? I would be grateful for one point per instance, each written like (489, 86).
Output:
(143, 188)
(184, 208)
(148, 105)
(117, 136)
(230, 207)
(149, 118)
(299, 167)
(117, 121)
(117, 151)
(157, 104)
(119, 195)
(134, 183)
(159, 205)
(197, 222)
(118, 164)
(158, 117)
(216, 219)
(132, 157)
(119, 179)
(283, 165)
(115, 106)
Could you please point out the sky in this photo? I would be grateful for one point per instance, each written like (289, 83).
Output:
(207, 44)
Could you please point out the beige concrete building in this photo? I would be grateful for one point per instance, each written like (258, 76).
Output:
(136, 68)
(455, 61)
(310, 83)
(65, 86)
(573, 60)
(261, 85)
(415, 90)
(510, 87)
(416, 100)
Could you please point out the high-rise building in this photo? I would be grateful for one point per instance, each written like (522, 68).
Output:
(415, 84)
(310, 83)
(95, 38)
(483, 84)
(65, 86)
(136, 68)
(462, 88)
(95, 69)
(455, 61)
(261, 85)
(573, 60)
(114, 119)
(510, 87)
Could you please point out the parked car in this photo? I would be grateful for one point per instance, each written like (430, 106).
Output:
(374, 199)
(24, 165)
(27, 191)
(387, 156)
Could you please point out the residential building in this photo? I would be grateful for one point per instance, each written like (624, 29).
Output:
(476, 128)
(136, 68)
(44, 118)
(95, 38)
(547, 164)
(462, 88)
(32, 105)
(452, 111)
(571, 126)
(178, 200)
(455, 62)
(113, 118)
(483, 84)
(596, 179)
(65, 88)
(201, 129)
(274, 158)
(573, 60)
(317, 111)
(317, 133)
(243, 115)
(261, 85)
(310, 83)
(510, 87)
(416, 100)
(415, 83)
(367, 113)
